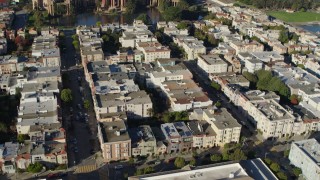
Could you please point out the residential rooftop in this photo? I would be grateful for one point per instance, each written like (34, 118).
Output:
(311, 147)
(183, 130)
(200, 128)
(221, 118)
(114, 131)
(143, 132)
(212, 59)
(272, 110)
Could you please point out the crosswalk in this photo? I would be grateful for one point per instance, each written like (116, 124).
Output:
(86, 168)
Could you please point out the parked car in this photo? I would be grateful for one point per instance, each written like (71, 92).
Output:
(71, 109)
(79, 106)
(76, 150)
(118, 167)
(157, 162)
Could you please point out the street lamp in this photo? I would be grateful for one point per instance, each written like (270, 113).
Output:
(265, 155)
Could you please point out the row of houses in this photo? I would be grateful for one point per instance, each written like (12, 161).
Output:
(207, 128)
(38, 79)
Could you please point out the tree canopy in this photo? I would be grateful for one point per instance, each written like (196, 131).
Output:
(66, 95)
(179, 162)
(35, 168)
(265, 80)
(216, 157)
(216, 86)
(175, 116)
(86, 104)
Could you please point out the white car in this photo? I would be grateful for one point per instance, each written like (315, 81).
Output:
(118, 167)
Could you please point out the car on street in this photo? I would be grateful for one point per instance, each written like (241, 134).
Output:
(52, 175)
(79, 106)
(157, 162)
(71, 109)
(118, 167)
(76, 150)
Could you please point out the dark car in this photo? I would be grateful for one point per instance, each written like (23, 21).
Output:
(51, 175)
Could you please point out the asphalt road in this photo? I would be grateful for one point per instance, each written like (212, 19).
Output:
(81, 135)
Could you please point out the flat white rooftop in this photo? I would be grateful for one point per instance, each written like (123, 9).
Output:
(230, 171)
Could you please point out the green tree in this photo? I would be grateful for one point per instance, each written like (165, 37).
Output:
(267, 161)
(216, 158)
(144, 18)
(98, 23)
(163, 5)
(139, 172)
(284, 36)
(250, 77)
(172, 13)
(35, 168)
(297, 171)
(86, 104)
(148, 170)
(216, 86)
(225, 156)
(179, 162)
(3, 127)
(131, 160)
(183, 4)
(66, 95)
(282, 176)
(182, 25)
(301, 66)
(275, 167)
(238, 155)
(218, 104)
(131, 6)
(22, 137)
(193, 162)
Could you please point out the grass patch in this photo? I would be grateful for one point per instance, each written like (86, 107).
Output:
(296, 16)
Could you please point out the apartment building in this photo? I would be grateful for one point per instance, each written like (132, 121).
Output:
(143, 141)
(191, 45)
(132, 36)
(114, 140)
(45, 49)
(36, 108)
(8, 153)
(184, 94)
(137, 105)
(91, 53)
(246, 46)
(172, 137)
(186, 136)
(44, 75)
(10, 64)
(305, 155)
(153, 51)
(268, 56)
(212, 64)
(202, 133)
(226, 127)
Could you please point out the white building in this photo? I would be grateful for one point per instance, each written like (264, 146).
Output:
(305, 154)
(212, 64)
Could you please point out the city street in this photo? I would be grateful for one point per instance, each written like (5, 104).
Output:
(81, 134)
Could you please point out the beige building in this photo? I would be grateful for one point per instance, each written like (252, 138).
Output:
(212, 64)
(225, 127)
(91, 53)
(153, 51)
(203, 134)
(143, 141)
(135, 104)
(114, 141)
